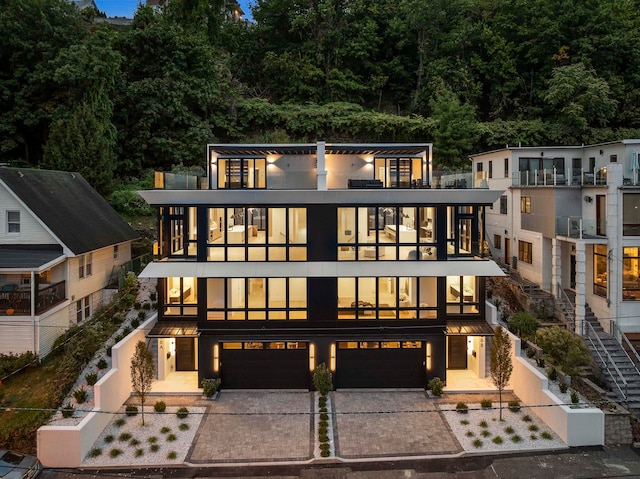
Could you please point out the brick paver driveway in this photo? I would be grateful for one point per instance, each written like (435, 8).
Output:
(255, 426)
(393, 423)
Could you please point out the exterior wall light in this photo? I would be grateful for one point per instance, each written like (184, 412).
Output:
(216, 358)
(332, 358)
(428, 362)
(312, 357)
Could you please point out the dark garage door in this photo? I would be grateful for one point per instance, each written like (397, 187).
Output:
(382, 364)
(265, 366)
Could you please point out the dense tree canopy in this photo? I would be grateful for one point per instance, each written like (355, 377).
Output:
(468, 75)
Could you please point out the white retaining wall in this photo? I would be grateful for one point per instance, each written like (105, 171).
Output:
(576, 427)
(66, 446)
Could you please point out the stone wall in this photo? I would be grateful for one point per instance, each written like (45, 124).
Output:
(617, 427)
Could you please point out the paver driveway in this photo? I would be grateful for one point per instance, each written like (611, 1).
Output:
(393, 423)
(255, 426)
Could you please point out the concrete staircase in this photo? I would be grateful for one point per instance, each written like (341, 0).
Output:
(621, 374)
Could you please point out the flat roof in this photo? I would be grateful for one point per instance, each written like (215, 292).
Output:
(409, 149)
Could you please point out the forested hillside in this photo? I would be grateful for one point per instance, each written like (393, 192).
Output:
(468, 75)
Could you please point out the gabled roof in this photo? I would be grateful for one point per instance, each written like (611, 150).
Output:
(74, 212)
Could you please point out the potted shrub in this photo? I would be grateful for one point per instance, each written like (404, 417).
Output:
(436, 386)
(210, 387)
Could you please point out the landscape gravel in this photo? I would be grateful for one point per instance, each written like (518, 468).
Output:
(137, 448)
(467, 433)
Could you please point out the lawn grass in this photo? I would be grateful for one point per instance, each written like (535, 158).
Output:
(31, 388)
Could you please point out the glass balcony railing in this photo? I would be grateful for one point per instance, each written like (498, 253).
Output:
(577, 227)
(178, 181)
(556, 177)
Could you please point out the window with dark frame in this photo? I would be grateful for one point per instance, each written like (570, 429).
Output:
(600, 270)
(490, 169)
(525, 251)
(13, 222)
(631, 215)
(630, 277)
(503, 205)
(525, 204)
(506, 167)
(497, 242)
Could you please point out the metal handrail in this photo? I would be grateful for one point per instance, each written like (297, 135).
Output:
(635, 353)
(563, 296)
(610, 360)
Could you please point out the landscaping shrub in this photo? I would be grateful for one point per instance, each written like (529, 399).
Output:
(436, 386)
(540, 362)
(124, 437)
(154, 447)
(109, 439)
(531, 353)
(514, 406)
(115, 452)
(159, 406)
(171, 437)
(91, 378)
(210, 386)
(574, 397)
(563, 387)
(462, 408)
(141, 315)
(523, 325)
(483, 424)
(182, 413)
(324, 416)
(552, 373)
(139, 452)
(508, 430)
(134, 442)
(152, 440)
(546, 435)
(135, 322)
(172, 455)
(322, 402)
(165, 429)
(120, 422)
(515, 438)
(183, 427)
(80, 395)
(323, 438)
(526, 418)
(322, 379)
(497, 440)
(477, 443)
(131, 410)
(485, 433)
(95, 452)
(137, 305)
(568, 351)
(67, 410)
(153, 296)
(486, 403)
(146, 306)
(12, 362)
(323, 429)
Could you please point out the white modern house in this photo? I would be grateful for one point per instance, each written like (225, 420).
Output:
(60, 245)
(569, 220)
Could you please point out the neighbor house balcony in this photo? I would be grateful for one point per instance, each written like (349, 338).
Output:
(579, 228)
(16, 300)
(558, 177)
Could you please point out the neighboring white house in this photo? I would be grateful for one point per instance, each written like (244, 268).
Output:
(61, 244)
(570, 218)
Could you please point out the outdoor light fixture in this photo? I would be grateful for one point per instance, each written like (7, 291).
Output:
(216, 358)
(312, 357)
(428, 364)
(332, 358)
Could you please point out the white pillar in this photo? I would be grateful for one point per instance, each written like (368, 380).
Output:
(581, 282)
(556, 265)
(321, 168)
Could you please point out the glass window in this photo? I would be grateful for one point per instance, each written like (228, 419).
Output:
(503, 205)
(497, 242)
(13, 222)
(630, 274)
(631, 215)
(242, 173)
(525, 252)
(600, 270)
(506, 167)
(525, 204)
(277, 225)
(490, 169)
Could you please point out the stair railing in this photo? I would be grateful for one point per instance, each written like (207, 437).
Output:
(561, 294)
(635, 357)
(591, 333)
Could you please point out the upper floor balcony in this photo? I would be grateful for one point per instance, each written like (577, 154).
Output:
(560, 177)
(16, 300)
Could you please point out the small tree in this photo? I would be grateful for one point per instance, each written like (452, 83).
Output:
(501, 364)
(142, 373)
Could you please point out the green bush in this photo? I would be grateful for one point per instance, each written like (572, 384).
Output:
(12, 362)
(462, 408)
(552, 373)
(563, 387)
(139, 452)
(324, 416)
(574, 397)
(436, 386)
(165, 429)
(210, 386)
(135, 322)
(172, 455)
(142, 315)
(486, 403)
(477, 443)
(514, 406)
(546, 435)
(322, 379)
(95, 452)
(115, 452)
(152, 439)
(130, 204)
(323, 437)
(182, 413)
(67, 410)
(523, 325)
(134, 442)
(124, 437)
(146, 306)
(159, 406)
(569, 352)
(120, 422)
(91, 378)
(109, 439)
(322, 402)
(497, 440)
(131, 410)
(183, 427)
(154, 447)
(531, 353)
(80, 395)
(171, 437)
(102, 363)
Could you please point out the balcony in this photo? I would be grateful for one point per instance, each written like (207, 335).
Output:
(578, 228)
(15, 300)
(556, 177)
(175, 181)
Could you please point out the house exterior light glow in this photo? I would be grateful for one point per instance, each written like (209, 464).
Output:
(294, 255)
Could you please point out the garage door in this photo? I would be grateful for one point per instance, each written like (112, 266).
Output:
(265, 365)
(380, 364)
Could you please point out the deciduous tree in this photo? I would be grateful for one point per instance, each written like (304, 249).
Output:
(142, 373)
(501, 363)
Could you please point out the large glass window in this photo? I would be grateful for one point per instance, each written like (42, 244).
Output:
(631, 215)
(399, 172)
(257, 299)
(600, 270)
(462, 295)
(242, 173)
(180, 297)
(387, 298)
(386, 233)
(631, 273)
(257, 234)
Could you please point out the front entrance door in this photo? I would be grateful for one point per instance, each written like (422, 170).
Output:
(185, 354)
(457, 352)
(507, 251)
(572, 273)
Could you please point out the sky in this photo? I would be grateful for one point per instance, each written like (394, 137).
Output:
(126, 8)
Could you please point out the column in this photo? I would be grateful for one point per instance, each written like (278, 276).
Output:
(320, 166)
(556, 265)
(581, 278)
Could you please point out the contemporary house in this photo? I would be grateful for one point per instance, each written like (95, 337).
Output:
(288, 256)
(60, 245)
(569, 220)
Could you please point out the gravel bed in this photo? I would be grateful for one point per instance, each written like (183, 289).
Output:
(174, 440)
(529, 432)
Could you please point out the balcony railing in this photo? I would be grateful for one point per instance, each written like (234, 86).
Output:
(558, 177)
(176, 181)
(18, 302)
(576, 227)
